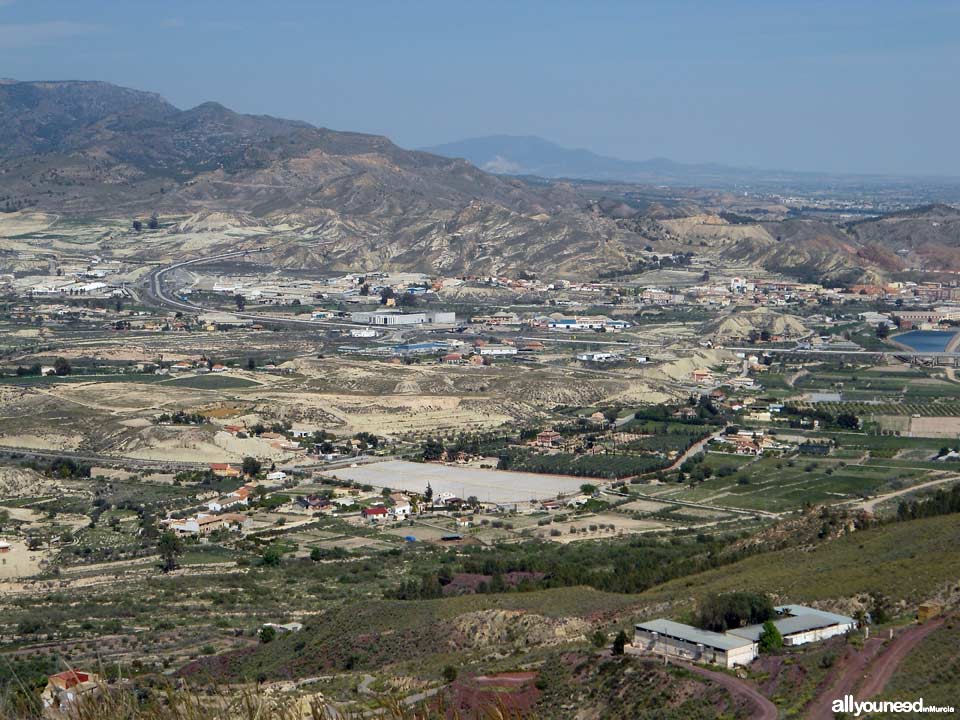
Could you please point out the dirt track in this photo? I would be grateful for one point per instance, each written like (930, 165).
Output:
(869, 670)
(763, 708)
(884, 666)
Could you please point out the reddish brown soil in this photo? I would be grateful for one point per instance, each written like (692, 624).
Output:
(763, 708)
(865, 673)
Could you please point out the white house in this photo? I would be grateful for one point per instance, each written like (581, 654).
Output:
(401, 506)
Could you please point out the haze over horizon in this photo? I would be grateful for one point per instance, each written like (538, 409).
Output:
(809, 87)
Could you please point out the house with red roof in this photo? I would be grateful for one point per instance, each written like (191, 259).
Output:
(377, 513)
(65, 688)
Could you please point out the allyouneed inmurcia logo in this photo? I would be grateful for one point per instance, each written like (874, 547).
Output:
(847, 704)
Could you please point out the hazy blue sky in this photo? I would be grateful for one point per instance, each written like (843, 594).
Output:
(837, 86)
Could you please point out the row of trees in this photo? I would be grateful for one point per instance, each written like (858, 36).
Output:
(729, 611)
(942, 502)
(61, 367)
(153, 223)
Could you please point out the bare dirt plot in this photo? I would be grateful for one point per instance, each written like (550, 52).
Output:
(936, 427)
(487, 485)
(423, 533)
(588, 527)
(645, 506)
(354, 543)
(19, 561)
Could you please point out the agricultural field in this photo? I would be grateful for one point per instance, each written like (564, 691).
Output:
(775, 485)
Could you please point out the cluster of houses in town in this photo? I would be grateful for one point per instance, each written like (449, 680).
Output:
(797, 625)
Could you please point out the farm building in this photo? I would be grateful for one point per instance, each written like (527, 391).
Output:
(797, 624)
(800, 625)
(65, 688)
(665, 637)
(597, 357)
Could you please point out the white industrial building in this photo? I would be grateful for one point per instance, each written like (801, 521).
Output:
(797, 624)
(396, 317)
(800, 625)
(598, 357)
(665, 637)
(497, 350)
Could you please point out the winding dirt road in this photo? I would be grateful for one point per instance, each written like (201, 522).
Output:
(880, 672)
(869, 671)
(763, 708)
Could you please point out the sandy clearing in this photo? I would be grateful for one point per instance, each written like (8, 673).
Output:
(488, 485)
(19, 561)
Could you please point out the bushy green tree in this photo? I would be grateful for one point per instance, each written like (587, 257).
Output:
(770, 637)
(272, 556)
(732, 610)
(251, 466)
(620, 642)
(170, 547)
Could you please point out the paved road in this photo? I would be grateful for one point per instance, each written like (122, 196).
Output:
(108, 460)
(892, 352)
(158, 295)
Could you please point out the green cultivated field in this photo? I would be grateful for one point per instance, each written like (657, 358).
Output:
(778, 485)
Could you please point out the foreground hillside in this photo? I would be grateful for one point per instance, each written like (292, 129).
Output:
(531, 654)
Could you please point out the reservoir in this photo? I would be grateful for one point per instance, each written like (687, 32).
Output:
(926, 340)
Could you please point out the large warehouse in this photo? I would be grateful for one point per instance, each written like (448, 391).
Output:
(395, 317)
(665, 637)
(797, 624)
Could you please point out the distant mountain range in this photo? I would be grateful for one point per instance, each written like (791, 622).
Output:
(530, 155)
(349, 201)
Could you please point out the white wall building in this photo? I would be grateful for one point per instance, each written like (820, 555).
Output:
(497, 350)
(665, 637)
(800, 625)
(395, 317)
(797, 624)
